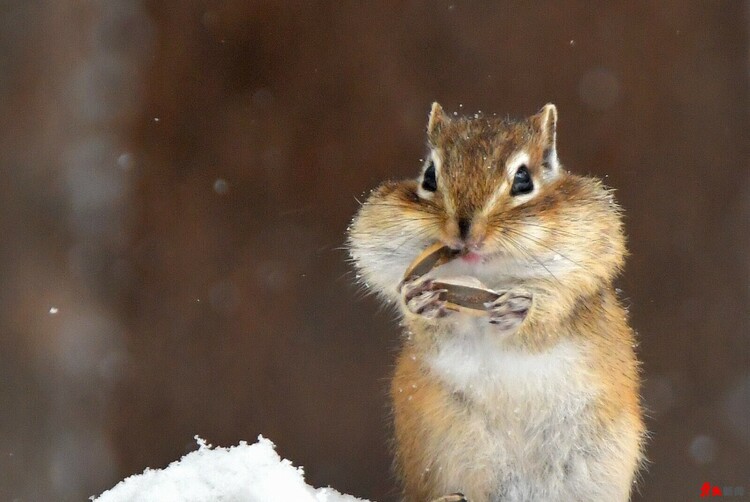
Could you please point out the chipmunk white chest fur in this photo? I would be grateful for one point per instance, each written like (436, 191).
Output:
(538, 399)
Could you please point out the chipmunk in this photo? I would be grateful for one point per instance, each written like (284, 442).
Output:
(538, 400)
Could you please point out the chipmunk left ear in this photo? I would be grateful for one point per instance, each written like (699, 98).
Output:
(545, 123)
(438, 119)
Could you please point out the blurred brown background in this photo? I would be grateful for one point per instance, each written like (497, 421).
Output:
(177, 177)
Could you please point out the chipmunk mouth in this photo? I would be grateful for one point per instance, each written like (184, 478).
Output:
(472, 257)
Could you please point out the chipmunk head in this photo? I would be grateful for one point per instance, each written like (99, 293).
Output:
(479, 169)
(494, 190)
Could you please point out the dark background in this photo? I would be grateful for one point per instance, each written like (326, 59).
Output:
(177, 177)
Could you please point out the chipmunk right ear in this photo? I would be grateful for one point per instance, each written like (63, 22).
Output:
(438, 119)
(545, 123)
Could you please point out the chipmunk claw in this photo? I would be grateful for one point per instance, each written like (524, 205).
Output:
(420, 298)
(509, 310)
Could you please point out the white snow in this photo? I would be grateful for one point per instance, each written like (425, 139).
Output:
(243, 473)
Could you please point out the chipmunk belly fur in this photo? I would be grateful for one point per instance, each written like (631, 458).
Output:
(496, 423)
(538, 400)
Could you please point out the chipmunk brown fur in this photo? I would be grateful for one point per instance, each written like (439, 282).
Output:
(538, 400)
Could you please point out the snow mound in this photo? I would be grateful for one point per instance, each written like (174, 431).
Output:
(243, 473)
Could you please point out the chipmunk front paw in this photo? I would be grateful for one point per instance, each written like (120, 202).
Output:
(420, 298)
(509, 310)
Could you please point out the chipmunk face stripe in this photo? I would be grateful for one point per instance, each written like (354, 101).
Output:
(515, 161)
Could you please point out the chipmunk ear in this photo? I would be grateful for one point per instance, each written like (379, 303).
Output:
(545, 123)
(438, 119)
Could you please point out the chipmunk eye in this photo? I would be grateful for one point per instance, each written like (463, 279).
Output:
(522, 181)
(429, 179)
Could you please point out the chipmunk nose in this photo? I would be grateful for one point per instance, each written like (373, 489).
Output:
(465, 233)
(464, 226)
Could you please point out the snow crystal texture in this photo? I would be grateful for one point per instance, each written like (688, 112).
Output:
(243, 473)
